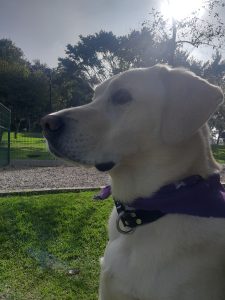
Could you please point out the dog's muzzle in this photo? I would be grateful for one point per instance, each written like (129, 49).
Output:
(52, 126)
(55, 130)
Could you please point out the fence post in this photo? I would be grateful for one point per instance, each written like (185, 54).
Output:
(9, 126)
(5, 121)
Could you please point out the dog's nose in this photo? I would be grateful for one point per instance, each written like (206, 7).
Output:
(51, 124)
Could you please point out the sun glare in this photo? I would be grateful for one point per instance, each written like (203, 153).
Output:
(180, 9)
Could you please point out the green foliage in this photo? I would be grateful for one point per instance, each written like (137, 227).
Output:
(10, 53)
(23, 89)
(97, 57)
(44, 236)
(69, 90)
(32, 90)
(93, 58)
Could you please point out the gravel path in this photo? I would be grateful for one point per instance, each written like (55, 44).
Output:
(12, 179)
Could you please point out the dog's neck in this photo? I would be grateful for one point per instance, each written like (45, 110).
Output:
(143, 175)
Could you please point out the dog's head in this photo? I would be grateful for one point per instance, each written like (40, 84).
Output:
(132, 113)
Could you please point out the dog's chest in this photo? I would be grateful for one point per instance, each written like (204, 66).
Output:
(166, 254)
(137, 264)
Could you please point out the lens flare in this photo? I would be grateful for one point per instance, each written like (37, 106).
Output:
(180, 9)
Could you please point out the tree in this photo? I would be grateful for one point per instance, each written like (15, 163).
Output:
(23, 88)
(97, 57)
(93, 58)
(10, 53)
(31, 90)
(24, 92)
(206, 30)
(101, 55)
(69, 90)
(214, 71)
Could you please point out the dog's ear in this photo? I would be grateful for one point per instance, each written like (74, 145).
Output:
(189, 102)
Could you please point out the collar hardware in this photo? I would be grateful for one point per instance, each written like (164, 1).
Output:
(132, 218)
(120, 219)
(194, 196)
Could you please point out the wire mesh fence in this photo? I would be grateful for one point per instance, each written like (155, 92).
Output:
(28, 145)
(20, 143)
(5, 119)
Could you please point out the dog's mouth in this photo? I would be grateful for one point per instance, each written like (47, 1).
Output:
(103, 167)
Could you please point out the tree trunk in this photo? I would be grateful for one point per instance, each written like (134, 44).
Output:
(218, 138)
(172, 46)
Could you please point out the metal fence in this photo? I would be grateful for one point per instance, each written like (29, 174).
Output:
(5, 119)
(26, 145)
(19, 143)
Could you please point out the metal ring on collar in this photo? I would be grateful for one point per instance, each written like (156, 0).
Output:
(118, 225)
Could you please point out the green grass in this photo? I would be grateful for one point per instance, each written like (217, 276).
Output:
(219, 153)
(42, 237)
(28, 145)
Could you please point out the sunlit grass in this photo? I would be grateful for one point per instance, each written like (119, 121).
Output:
(42, 237)
(28, 145)
(219, 153)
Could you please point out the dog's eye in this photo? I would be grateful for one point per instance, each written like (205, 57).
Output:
(121, 97)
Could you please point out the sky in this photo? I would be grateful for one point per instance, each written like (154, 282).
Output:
(43, 28)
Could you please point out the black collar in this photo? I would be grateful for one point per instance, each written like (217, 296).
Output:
(131, 218)
(194, 196)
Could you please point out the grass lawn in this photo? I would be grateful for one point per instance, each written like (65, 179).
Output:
(28, 145)
(219, 153)
(42, 237)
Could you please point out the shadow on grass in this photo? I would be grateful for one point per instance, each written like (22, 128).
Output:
(30, 152)
(32, 135)
(29, 145)
(41, 225)
(49, 234)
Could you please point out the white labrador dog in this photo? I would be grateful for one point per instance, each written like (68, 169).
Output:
(147, 128)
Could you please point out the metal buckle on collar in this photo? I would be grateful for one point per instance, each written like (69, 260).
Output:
(119, 220)
(129, 218)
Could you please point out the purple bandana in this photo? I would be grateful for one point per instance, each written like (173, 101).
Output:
(192, 196)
